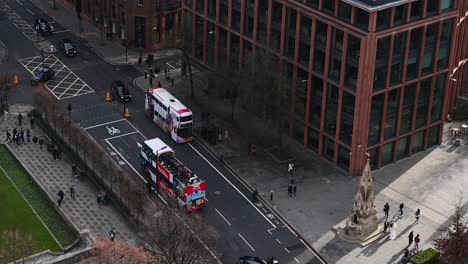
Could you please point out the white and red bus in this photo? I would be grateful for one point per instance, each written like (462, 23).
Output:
(169, 114)
(166, 173)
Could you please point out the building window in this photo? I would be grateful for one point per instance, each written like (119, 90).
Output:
(336, 51)
(387, 153)
(399, 17)
(399, 47)
(299, 130)
(290, 35)
(432, 8)
(236, 15)
(414, 54)
(362, 19)
(345, 11)
(407, 108)
(223, 13)
(416, 10)
(402, 149)
(188, 3)
(381, 63)
(249, 18)
(352, 62)
(276, 18)
(316, 102)
(328, 148)
(140, 2)
(301, 94)
(313, 139)
(375, 120)
(200, 6)
(210, 43)
(304, 46)
(438, 98)
(383, 18)
(211, 9)
(445, 41)
(332, 107)
(199, 41)
(222, 55)
(418, 142)
(433, 136)
(188, 28)
(262, 21)
(328, 6)
(423, 102)
(343, 157)
(234, 56)
(347, 118)
(429, 48)
(320, 46)
(313, 3)
(447, 5)
(393, 102)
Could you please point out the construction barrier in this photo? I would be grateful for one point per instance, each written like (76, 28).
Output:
(16, 80)
(108, 98)
(127, 114)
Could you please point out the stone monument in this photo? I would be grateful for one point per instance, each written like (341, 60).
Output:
(362, 225)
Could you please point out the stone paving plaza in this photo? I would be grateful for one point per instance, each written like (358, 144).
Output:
(57, 175)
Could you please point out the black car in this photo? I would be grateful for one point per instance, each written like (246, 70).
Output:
(250, 260)
(66, 46)
(43, 74)
(43, 27)
(120, 92)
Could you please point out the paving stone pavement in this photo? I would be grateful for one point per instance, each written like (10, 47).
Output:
(57, 175)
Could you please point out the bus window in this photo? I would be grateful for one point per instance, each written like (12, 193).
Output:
(184, 132)
(186, 118)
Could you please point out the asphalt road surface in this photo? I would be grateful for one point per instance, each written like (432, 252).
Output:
(243, 228)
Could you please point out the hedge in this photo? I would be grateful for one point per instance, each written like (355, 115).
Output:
(427, 256)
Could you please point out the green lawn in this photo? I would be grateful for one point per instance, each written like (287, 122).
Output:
(17, 216)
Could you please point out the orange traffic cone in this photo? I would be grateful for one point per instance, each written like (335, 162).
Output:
(108, 98)
(127, 114)
(16, 80)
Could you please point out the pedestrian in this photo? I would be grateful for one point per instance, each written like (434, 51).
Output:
(290, 168)
(165, 72)
(8, 135)
(20, 119)
(112, 235)
(139, 61)
(61, 194)
(220, 135)
(294, 191)
(254, 150)
(289, 190)
(416, 241)
(291, 181)
(410, 238)
(74, 168)
(386, 208)
(151, 80)
(417, 215)
(16, 139)
(402, 205)
(22, 135)
(406, 254)
(15, 131)
(99, 200)
(35, 139)
(146, 73)
(72, 191)
(159, 84)
(41, 141)
(385, 226)
(28, 135)
(271, 195)
(221, 156)
(31, 122)
(59, 201)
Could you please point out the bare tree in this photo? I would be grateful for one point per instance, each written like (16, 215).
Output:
(453, 245)
(178, 239)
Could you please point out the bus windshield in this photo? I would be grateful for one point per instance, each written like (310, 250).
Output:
(186, 118)
(185, 132)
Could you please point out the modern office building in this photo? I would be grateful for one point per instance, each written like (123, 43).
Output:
(378, 71)
(142, 23)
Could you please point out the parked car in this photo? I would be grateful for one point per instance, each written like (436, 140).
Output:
(43, 74)
(67, 47)
(120, 92)
(43, 27)
(250, 260)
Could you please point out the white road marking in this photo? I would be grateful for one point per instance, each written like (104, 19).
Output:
(123, 135)
(29, 11)
(233, 186)
(61, 31)
(222, 216)
(246, 242)
(19, 2)
(277, 240)
(296, 260)
(287, 250)
(106, 123)
(313, 252)
(269, 230)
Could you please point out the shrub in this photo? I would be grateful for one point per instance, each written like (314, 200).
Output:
(426, 256)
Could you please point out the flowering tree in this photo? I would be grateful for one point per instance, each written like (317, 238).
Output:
(116, 252)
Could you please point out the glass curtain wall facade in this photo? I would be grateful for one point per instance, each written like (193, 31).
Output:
(362, 81)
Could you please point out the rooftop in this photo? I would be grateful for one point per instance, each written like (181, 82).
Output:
(375, 5)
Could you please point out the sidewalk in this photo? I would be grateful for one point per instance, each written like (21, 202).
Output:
(429, 180)
(57, 175)
(111, 51)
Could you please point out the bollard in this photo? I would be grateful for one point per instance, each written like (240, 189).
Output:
(108, 98)
(127, 114)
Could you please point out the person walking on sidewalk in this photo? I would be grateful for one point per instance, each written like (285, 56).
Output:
(28, 135)
(35, 139)
(15, 131)
(20, 119)
(41, 141)
(386, 208)
(74, 169)
(112, 235)
(402, 205)
(139, 61)
(72, 191)
(416, 241)
(254, 150)
(61, 194)
(290, 168)
(385, 226)
(8, 135)
(416, 215)
(294, 191)
(22, 135)
(289, 190)
(99, 200)
(410, 238)
(31, 122)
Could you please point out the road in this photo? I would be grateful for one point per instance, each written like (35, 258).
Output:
(243, 228)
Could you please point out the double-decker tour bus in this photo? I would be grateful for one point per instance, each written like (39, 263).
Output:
(165, 172)
(169, 114)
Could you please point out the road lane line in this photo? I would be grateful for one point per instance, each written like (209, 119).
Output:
(233, 186)
(289, 252)
(29, 12)
(61, 31)
(123, 135)
(246, 242)
(222, 216)
(277, 240)
(19, 2)
(103, 124)
(296, 260)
